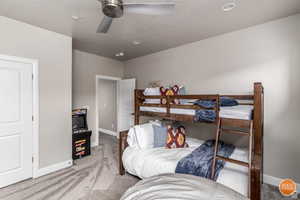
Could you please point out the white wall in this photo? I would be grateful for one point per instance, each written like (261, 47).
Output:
(54, 53)
(229, 64)
(85, 68)
(107, 104)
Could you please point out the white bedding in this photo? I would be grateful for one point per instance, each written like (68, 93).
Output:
(179, 187)
(233, 112)
(145, 163)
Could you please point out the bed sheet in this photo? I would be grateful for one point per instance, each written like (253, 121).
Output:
(151, 162)
(233, 112)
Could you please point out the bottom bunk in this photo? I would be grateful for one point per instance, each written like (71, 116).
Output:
(146, 163)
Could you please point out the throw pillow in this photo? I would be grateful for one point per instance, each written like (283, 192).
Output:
(176, 137)
(160, 136)
(169, 92)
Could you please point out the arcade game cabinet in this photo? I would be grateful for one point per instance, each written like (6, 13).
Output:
(81, 138)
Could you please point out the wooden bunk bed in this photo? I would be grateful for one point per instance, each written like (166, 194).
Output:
(256, 99)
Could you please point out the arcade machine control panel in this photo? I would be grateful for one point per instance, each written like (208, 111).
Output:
(81, 137)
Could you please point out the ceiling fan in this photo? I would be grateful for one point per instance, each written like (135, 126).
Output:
(116, 8)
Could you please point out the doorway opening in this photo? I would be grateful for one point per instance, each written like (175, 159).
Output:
(114, 105)
(107, 106)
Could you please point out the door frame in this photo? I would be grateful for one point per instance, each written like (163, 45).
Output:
(35, 107)
(97, 128)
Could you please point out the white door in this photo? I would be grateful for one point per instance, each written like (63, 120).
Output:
(126, 104)
(15, 122)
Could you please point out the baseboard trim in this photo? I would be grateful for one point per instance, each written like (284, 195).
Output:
(275, 181)
(94, 144)
(109, 132)
(53, 168)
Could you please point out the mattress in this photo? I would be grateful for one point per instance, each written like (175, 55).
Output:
(233, 112)
(145, 163)
(178, 187)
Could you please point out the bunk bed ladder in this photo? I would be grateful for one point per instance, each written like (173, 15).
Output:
(242, 124)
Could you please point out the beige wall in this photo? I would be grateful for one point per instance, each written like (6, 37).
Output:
(85, 68)
(54, 53)
(229, 64)
(107, 104)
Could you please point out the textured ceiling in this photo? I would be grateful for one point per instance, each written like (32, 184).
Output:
(192, 20)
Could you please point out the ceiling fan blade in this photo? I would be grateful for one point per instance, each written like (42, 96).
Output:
(149, 8)
(105, 25)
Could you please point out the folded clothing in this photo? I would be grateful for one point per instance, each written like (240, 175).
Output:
(227, 101)
(224, 102)
(210, 115)
(205, 116)
(152, 92)
(205, 103)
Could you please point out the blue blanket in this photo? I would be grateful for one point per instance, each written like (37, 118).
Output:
(210, 115)
(199, 162)
(205, 116)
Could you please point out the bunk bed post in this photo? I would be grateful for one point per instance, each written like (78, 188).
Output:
(122, 146)
(258, 117)
(257, 159)
(136, 107)
(217, 109)
(168, 99)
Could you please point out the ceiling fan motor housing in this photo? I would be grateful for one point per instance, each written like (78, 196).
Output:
(112, 8)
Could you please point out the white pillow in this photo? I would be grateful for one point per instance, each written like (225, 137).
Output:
(131, 138)
(152, 92)
(141, 136)
(156, 122)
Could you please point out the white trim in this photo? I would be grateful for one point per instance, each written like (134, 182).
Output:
(108, 78)
(118, 107)
(53, 168)
(275, 181)
(99, 77)
(109, 132)
(36, 156)
(35, 108)
(94, 144)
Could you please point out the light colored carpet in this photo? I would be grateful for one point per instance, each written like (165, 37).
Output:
(91, 178)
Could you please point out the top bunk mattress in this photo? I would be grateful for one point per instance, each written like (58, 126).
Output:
(233, 112)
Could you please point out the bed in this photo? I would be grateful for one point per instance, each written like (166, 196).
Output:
(178, 187)
(145, 163)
